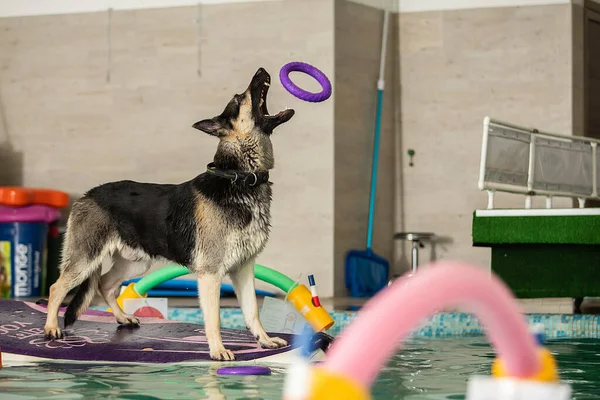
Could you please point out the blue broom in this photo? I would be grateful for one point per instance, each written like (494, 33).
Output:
(366, 272)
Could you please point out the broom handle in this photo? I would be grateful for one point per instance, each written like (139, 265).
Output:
(380, 87)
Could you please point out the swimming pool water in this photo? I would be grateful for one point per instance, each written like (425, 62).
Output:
(425, 369)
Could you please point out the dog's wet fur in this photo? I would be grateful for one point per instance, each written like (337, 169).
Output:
(211, 225)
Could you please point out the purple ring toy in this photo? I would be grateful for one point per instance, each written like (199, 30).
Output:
(244, 370)
(301, 93)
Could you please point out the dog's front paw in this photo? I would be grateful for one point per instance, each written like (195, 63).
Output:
(222, 354)
(129, 320)
(53, 333)
(272, 343)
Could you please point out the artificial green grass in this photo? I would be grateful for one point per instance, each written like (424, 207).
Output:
(534, 271)
(543, 256)
(568, 229)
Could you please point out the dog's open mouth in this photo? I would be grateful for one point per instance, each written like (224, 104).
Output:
(268, 122)
(263, 97)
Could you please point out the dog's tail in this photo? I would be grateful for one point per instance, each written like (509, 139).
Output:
(83, 297)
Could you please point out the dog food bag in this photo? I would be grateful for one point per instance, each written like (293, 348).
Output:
(23, 237)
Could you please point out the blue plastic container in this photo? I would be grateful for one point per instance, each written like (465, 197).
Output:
(23, 236)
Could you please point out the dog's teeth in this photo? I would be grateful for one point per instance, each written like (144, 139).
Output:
(267, 84)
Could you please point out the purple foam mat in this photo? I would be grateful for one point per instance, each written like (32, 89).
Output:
(97, 337)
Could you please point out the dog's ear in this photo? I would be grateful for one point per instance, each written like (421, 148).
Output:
(212, 126)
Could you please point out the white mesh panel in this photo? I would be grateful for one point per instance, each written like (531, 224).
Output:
(507, 159)
(563, 166)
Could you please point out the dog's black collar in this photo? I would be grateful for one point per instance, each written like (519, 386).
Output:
(239, 177)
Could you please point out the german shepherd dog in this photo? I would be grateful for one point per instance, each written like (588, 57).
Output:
(214, 224)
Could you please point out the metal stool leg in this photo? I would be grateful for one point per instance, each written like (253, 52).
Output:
(415, 256)
(416, 239)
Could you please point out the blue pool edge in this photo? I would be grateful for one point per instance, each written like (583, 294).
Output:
(440, 325)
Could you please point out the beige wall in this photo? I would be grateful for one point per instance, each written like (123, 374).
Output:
(357, 53)
(74, 130)
(513, 64)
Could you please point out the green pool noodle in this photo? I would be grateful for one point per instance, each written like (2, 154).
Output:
(273, 277)
(169, 272)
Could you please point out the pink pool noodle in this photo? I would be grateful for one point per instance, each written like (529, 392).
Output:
(390, 317)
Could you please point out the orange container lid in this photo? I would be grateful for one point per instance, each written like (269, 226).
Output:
(18, 196)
